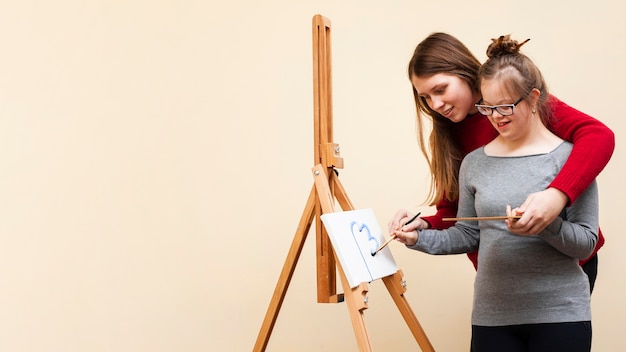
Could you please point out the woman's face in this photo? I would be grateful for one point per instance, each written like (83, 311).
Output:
(446, 94)
(516, 126)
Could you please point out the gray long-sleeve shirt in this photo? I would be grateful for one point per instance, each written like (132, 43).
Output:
(520, 279)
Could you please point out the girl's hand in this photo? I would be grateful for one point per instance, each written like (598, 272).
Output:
(409, 238)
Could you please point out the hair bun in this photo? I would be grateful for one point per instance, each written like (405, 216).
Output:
(504, 45)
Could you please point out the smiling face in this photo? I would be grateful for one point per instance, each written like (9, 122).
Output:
(447, 94)
(513, 127)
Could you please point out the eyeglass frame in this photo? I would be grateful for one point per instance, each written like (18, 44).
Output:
(495, 107)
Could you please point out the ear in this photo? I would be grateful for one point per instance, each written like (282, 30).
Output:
(533, 96)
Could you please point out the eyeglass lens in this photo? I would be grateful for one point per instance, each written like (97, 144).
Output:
(504, 110)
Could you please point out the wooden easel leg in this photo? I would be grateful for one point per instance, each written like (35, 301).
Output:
(287, 273)
(356, 302)
(355, 298)
(396, 287)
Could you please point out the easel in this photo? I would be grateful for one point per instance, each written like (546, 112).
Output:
(326, 189)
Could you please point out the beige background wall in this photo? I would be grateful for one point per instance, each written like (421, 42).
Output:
(155, 160)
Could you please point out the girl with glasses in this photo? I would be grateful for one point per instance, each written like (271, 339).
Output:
(530, 293)
(444, 77)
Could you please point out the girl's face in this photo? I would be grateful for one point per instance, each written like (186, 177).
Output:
(446, 94)
(515, 126)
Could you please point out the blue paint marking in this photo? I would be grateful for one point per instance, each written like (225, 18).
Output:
(373, 242)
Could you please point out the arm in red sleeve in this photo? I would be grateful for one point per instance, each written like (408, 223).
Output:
(445, 209)
(593, 143)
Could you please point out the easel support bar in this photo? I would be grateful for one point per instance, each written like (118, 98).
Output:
(286, 274)
(397, 287)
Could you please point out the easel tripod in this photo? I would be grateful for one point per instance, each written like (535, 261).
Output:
(326, 189)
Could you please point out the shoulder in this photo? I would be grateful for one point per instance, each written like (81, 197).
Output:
(478, 153)
(574, 125)
(561, 152)
(474, 158)
(560, 109)
(564, 147)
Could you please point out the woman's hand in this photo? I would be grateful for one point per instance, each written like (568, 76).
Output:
(538, 211)
(395, 224)
(406, 234)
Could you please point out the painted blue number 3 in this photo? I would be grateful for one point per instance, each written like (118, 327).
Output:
(371, 240)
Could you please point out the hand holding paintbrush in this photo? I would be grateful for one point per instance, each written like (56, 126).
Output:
(393, 236)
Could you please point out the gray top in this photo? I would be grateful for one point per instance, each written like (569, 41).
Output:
(520, 279)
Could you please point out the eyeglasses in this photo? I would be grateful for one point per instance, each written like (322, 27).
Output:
(504, 109)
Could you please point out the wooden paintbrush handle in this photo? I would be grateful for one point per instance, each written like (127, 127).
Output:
(512, 217)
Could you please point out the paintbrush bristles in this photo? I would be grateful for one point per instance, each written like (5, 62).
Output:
(385, 244)
(394, 235)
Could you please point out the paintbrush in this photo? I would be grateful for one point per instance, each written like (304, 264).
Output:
(509, 215)
(504, 217)
(394, 235)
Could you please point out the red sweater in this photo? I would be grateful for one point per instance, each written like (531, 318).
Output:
(593, 147)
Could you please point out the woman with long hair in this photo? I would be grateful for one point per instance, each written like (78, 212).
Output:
(444, 77)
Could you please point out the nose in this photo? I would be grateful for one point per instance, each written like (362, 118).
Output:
(436, 103)
(495, 114)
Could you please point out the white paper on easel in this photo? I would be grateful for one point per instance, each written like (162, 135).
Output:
(355, 235)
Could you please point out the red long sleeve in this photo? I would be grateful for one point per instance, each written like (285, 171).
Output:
(594, 144)
(445, 209)
(593, 147)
